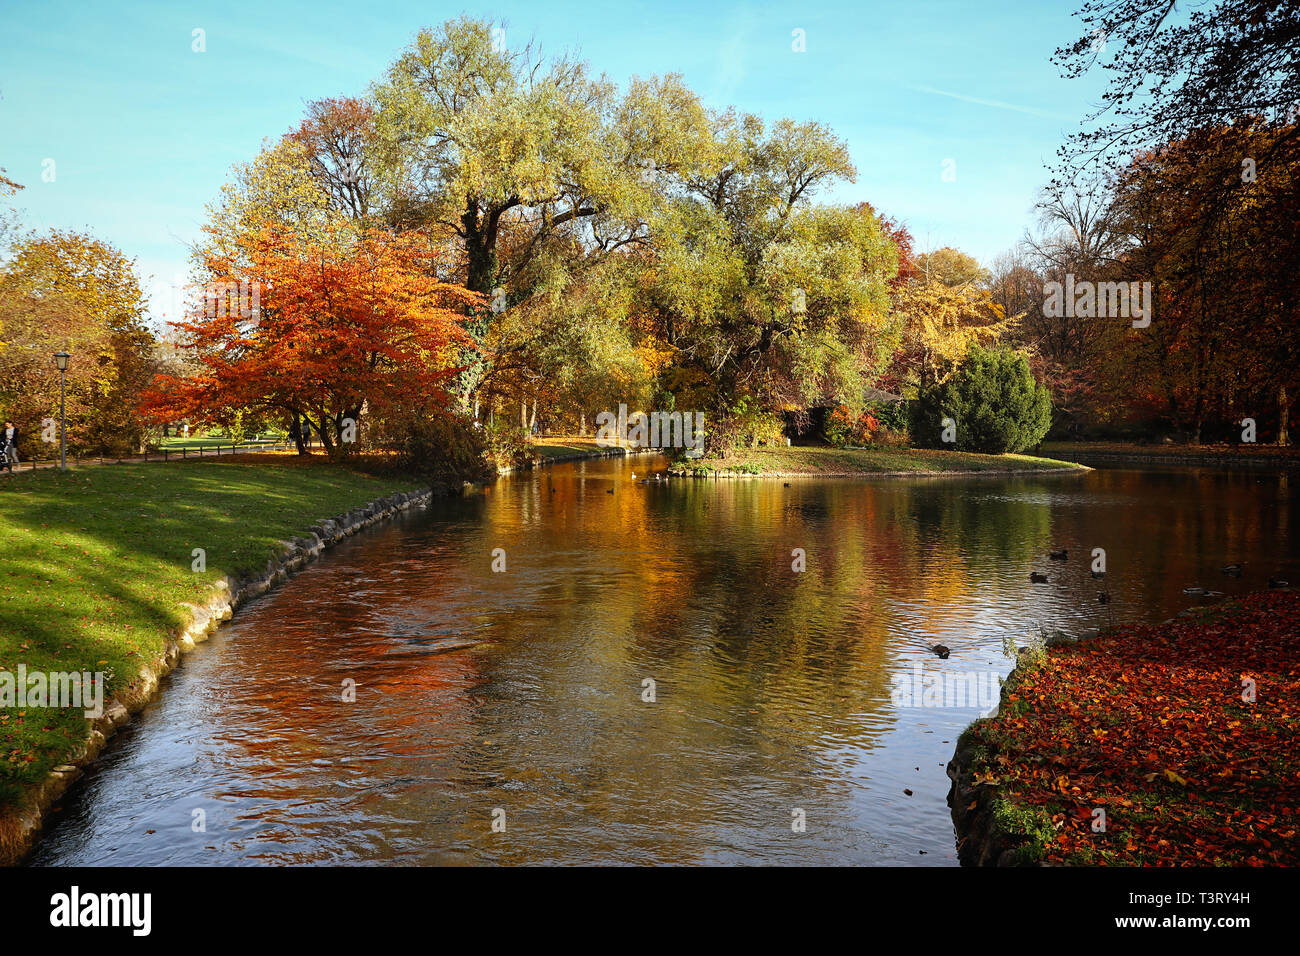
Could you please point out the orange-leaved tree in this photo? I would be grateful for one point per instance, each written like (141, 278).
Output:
(320, 332)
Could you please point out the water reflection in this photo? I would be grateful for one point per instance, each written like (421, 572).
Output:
(521, 691)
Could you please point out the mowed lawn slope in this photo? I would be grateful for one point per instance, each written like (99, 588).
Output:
(95, 562)
(869, 461)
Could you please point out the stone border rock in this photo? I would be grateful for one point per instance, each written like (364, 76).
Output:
(20, 827)
(1073, 469)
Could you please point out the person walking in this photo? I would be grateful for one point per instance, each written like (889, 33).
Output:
(9, 446)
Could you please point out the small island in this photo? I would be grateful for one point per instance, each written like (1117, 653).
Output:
(827, 462)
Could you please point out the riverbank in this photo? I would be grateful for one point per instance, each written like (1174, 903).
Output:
(555, 451)
(118, 570)
(822, 462)
(1130, 453)
(1168, 744)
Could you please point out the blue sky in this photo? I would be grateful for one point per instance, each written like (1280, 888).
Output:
(143, 130)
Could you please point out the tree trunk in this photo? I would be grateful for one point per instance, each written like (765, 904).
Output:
(324, 434)
(480, 250)
(1283, 413)
(295, 433)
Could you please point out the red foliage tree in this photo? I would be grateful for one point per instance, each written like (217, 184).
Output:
(322, 333)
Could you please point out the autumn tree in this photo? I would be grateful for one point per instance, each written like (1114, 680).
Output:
(337, 138)
(1174, 71)
(353, 326)
(1224, 344)
(534, 167)
(946, 308)
(68, 291)
(1201, 111)
(274, 192)
(774, 300)
(1074, 354)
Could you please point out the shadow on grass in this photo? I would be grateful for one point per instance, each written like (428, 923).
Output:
(96, 562)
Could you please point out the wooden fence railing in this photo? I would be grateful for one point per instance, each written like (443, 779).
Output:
(163, 454)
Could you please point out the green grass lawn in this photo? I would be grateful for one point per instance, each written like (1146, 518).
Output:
(95, 562)
(845, 461)
(176, 443)
(558, 447)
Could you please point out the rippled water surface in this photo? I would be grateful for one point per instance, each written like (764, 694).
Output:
(520, 694)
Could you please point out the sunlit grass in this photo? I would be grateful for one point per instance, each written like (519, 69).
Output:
(176, 443)
(95, 562)
(847, 461)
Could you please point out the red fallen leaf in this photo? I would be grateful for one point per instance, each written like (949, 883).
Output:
(1166, 697)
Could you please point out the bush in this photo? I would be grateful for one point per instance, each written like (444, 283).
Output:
(843, 428)
(880, 425)
(745, 424)
(446, 448)
(889, 438)
(507, 443)
(891, 415)
(994, 401)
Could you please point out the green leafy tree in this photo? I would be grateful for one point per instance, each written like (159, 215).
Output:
(66, 290)
(992, 405)
(760, 291)
(536, 170)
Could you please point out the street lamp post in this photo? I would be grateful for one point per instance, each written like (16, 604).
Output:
(61, 360)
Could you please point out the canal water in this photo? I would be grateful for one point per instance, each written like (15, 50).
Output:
(648, 679)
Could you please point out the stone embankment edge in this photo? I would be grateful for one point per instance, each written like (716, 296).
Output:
(21, 826)
(990, 473)
(1225, 460)
(618, 452)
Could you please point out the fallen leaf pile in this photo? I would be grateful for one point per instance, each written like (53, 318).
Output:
(1155, 726)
